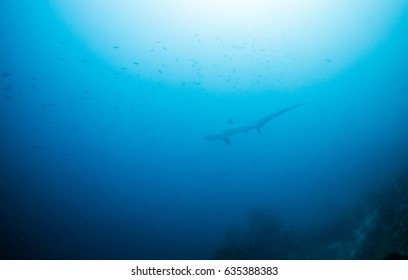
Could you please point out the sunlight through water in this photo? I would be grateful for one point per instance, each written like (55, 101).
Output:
(273, 44)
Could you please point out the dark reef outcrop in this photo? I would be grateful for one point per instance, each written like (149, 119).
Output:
(377, 229)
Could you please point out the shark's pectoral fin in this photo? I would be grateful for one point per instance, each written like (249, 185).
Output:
(226, 141)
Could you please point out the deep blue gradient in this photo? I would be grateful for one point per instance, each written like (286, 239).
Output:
(104, 162)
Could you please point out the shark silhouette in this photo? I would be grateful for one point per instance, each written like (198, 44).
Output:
(232, 130)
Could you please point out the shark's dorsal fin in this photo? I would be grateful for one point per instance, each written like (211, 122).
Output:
(226, 141)
(230, 121)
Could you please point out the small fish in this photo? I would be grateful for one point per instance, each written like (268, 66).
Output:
(8, 88)
(74, 128)
(5, 75)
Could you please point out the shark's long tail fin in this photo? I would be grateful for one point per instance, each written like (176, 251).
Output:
(260, 123)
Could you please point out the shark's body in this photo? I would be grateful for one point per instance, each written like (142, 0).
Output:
(232, 130)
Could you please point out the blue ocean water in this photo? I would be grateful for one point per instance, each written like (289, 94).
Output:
(104, 113)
